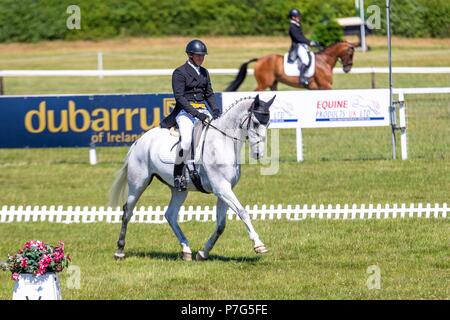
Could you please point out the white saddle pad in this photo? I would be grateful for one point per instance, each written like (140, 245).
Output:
(291, 69)
(167, 154)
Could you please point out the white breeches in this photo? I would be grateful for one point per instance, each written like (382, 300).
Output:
(303, 53)
(186, 124)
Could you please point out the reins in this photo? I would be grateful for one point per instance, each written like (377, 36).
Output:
(241, 125)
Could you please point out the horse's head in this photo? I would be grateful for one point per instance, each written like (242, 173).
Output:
(258, 121)
(346, 56)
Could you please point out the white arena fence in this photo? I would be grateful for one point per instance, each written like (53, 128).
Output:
(167, 72)
(155, 215)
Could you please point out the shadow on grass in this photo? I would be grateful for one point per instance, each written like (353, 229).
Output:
(176, 256)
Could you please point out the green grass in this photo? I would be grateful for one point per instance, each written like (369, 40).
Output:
(307, 259)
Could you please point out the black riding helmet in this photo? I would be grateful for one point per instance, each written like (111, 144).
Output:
(196, 47)
(294, 13)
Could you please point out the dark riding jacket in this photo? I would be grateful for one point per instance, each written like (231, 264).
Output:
(296, 34)
(190, 87)
(297, 37)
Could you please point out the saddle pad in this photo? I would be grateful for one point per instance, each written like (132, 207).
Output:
(174, 132)
(291, 69)
(167, 152)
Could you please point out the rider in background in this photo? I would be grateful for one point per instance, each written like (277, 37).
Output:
(194, 96)
(299, 46)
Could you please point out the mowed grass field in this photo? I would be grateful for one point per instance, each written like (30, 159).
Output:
(310, 259)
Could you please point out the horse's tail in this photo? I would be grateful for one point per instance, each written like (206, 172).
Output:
(119, 189)
(233, 86)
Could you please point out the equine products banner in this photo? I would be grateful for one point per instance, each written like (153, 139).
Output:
(81, 120)
(323, 109)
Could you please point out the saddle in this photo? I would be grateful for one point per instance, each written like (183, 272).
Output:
(293, 57)
(291, 68)
(196, 138)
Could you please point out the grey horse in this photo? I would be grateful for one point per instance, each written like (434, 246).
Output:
(153, 154)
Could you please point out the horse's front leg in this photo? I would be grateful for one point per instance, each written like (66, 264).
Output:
(221, 211)
(224, 192)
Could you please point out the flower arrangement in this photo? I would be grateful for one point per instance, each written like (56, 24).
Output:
(37, 258)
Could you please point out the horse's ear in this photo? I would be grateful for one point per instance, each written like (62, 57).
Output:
(256, 102)
(269, 103)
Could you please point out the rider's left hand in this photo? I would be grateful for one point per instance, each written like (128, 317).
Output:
(216, 113)
(207, 120)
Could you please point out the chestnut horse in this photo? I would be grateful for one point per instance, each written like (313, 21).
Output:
(269, 69)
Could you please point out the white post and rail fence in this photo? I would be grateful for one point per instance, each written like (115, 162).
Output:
(155, 215)
(101, 72)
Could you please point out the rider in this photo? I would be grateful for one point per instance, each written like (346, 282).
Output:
(299, 46)
(195, 101)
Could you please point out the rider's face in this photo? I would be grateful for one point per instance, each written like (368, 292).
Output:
(198, 59)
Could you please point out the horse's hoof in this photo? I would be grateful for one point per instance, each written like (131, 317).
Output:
(119, 255)
(186, 256)
(261, 249)
(201, 256)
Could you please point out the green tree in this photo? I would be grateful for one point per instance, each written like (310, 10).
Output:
(328, 32)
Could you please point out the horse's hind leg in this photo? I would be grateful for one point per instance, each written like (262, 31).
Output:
(263, 80)
(171, 215)
(262, 83)
(274, 86)
(136, 188)
(221, 211)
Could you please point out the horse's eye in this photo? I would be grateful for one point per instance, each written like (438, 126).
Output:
(255, 125)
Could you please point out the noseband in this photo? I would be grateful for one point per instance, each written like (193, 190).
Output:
(347, 65)
(350, 64)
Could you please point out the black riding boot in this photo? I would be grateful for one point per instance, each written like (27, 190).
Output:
(303, 80)
(179, 179)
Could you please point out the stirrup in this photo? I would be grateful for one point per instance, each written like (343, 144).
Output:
(180, 183)
(304, 81)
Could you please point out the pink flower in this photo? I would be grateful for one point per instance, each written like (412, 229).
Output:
(57, 257)
(15, 276)
(45, 261)
(23, 263)
(51, 258)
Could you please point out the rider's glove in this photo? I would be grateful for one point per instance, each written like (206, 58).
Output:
(314, 44)
(203, 117)
(216, 113)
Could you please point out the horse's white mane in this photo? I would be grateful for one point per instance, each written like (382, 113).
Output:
(236, 103)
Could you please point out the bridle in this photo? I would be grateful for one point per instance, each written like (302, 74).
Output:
(247, 119)
(350, 64)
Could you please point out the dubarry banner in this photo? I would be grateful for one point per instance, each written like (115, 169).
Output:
(81, 120)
